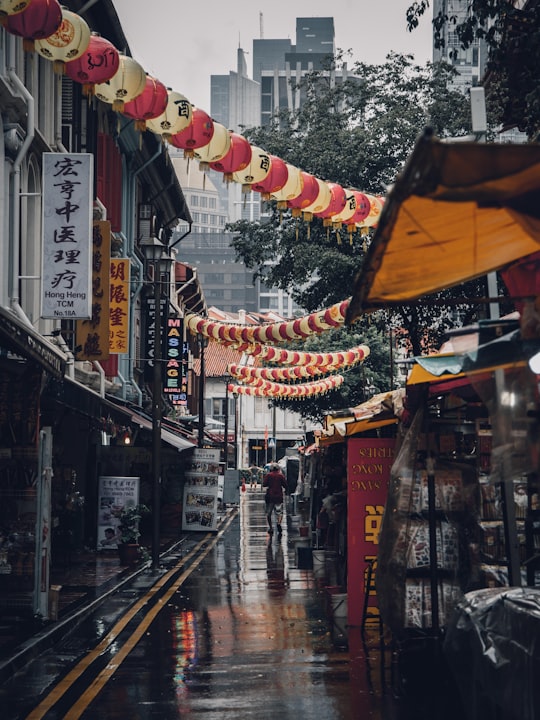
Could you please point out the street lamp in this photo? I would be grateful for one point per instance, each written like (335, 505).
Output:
(156, 255)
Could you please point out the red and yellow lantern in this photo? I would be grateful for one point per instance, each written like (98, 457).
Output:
(310, 191)
(175, 118)
(128, 82)
(98, 63)
(151, 103)
(67, 43)
(275, 180)
(217, 148)
(337, 203)
(38, 20)
(291, 189)
(237, 158)
(255, 171)
(198, 134)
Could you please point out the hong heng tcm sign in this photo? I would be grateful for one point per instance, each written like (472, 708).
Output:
(66, 285)
(368, 472)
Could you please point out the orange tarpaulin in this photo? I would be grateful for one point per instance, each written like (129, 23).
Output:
(458, 211)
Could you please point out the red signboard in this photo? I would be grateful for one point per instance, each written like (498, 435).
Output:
(368, 471)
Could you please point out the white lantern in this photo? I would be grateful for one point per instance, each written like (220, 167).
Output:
(68, 43)
(126, 84)
(256, 171)
(175, 118)
(216, 149)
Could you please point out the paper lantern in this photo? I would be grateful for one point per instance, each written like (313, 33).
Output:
(275, 180)
(67, 43)
(255, 171)
(98, 63)
(196, 135)
(175, 118)
(321, 202)
(38, 20)
(217, 148)
(126, 84)
(12, 7)
(372, 218)
(310, 191)
(363, 208)
(149, 104)
(337, 203)
(237, 158)
(291, 189)
(348, 210)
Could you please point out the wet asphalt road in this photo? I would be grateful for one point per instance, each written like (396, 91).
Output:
(233, 629)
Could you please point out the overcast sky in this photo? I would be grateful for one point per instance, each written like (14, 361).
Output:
(183, 43)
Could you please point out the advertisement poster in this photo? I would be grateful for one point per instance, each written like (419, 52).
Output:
(114, 494)
(368, 472)
(199, 510)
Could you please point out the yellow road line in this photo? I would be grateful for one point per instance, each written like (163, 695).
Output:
(92, 691)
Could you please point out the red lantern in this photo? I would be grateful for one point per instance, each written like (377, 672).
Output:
(98, 63)
(275, 180)
(237, 158)
(196, 135)
(363, 207)
(337, 203)
(310, 190)
(151, 103)
(39, 20)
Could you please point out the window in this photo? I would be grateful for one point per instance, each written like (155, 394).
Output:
(194, 199)
(204, 202)
(204, 218)
(212, 203)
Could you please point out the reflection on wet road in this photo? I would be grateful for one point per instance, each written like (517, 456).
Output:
(235, 630)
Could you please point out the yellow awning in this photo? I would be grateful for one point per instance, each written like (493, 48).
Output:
(458, 211)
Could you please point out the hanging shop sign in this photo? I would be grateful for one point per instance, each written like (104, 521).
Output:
(150, 334)
(92, 335)
(368, 472)
(119, 306)
(67, 229)
(176, 363)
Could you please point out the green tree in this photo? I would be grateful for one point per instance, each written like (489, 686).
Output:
(358, 134)
(512, 35)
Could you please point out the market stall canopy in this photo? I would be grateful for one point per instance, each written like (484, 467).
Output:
(380, 410)
(458, 211)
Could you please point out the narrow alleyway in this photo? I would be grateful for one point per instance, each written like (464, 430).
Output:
(240, 632)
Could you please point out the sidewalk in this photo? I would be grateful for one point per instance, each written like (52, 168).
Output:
(84, 583)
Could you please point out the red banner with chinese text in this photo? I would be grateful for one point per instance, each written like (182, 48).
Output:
(368, 472)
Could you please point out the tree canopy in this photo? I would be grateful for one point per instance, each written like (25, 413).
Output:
(358, 133)
(511, 32)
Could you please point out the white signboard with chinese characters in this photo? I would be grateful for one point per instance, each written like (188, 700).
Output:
(66, 285)
(199, 511)
(115, 493)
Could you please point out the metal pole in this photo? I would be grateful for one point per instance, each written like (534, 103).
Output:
(226, 428)
(156, 423)
(201, 393)
(274, 447)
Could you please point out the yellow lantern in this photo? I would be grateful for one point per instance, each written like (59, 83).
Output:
(68, 43)
(175, 118)
(12, 7)
(291, 189)
(216, 149)
(256, 171)
(126, 84)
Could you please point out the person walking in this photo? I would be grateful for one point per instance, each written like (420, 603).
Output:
(274, 482)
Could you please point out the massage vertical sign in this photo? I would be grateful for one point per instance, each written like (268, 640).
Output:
(119, 306)
(369, 461)
(176, 363)
(67, 236)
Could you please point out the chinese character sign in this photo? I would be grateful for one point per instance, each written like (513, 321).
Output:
(67, 235)
(368, 472)
(119, 306)
(93, 334)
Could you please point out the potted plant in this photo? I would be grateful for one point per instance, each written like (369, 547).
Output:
(128, 546)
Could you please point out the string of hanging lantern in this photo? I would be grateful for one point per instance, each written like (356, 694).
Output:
(63, 37)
